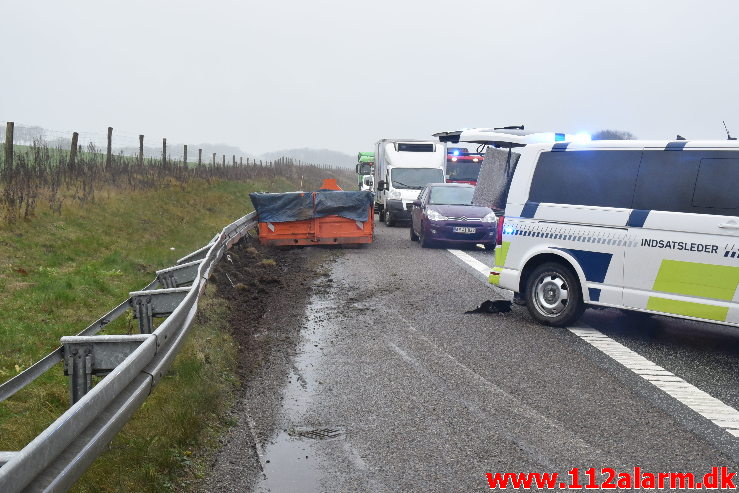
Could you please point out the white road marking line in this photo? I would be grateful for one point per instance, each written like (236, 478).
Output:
(471, 261)
(699, 401)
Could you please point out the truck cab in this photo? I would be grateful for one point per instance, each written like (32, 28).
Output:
(402, 169)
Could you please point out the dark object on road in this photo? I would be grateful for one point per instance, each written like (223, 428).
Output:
(492, 306)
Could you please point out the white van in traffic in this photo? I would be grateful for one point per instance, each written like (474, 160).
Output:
(402, 169)
(641, 225)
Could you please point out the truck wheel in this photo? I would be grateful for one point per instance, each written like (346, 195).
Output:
(382, 216)
(414, 236)
(389, 219)
(553, 295)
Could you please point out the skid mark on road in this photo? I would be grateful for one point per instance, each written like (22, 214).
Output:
(719, 413)
(699, 401)
(434, 362)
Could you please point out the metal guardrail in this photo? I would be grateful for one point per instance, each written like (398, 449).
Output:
(133, 365)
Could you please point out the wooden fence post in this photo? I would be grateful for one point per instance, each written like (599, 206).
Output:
(73, 150)
(233, 159)
(141, 149)
(200, 157)
(110, 147)
(214, 159)
(241, 160)
(184, 155)
(9, 127)
(164, 151)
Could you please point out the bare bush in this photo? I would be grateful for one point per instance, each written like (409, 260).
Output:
(49, 174)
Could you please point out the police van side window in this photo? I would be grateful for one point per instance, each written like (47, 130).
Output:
(715, 187)
(594, 178)
(666, 181)
(688, 181)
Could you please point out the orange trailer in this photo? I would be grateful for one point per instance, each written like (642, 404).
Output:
(320, 229)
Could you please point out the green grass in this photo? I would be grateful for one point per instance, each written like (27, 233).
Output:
(58, 273)
(158, 450)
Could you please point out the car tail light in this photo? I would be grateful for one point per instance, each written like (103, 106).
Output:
(499, 233)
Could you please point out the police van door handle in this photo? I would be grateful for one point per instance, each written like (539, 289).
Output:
(729, 225)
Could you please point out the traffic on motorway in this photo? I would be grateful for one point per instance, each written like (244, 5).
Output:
(645, 226)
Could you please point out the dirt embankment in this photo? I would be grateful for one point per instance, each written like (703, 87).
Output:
(267, 289)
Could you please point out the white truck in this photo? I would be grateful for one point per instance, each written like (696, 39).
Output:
(402, 168)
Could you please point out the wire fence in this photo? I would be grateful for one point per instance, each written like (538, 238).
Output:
(40, 166)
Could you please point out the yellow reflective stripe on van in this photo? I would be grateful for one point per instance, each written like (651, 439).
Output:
(494, 279)
(701, 280)
(688, 309)
(501, 252)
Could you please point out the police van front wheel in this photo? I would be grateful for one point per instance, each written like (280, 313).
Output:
(553, 295)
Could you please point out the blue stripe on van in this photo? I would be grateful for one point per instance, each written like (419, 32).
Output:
(677, 145)
(560, 146)
(594, 264)
(637, 218)
(529, 210)
(594, 294)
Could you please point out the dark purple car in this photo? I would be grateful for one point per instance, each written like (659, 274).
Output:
(444, 212)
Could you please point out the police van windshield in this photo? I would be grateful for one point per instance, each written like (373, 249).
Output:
(451, 195)
(415, 178)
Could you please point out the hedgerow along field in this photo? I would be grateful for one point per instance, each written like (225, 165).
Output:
(73, 244)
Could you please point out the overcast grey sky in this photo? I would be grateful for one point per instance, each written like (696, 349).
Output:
(338, 74)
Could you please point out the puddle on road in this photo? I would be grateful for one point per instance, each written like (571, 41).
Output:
(288, 460)
(289, 465)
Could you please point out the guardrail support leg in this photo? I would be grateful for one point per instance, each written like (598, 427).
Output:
(79, 364)
(178, 275)
(147, 305)
(85, 356)
(142, 312)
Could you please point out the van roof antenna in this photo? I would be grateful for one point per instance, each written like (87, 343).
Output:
(728, 135)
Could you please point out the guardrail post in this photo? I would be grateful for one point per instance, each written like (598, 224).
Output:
(156, 303)
(179, 275)
(85, 356)
(79, 368)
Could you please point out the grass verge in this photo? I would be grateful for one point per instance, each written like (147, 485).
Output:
(158, 450)
(60, 272)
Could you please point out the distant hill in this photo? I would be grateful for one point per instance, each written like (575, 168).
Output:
(317, 156)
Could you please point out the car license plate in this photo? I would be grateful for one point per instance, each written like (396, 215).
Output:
(464, 229)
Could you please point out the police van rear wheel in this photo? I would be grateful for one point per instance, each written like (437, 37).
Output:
(553, 295)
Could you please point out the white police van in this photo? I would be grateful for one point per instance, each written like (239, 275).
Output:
(641, 225)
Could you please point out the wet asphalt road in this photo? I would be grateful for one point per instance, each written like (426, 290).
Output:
(419, 396)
